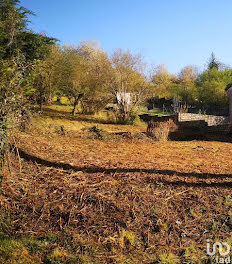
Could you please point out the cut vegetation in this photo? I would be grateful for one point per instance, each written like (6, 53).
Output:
(75, 197)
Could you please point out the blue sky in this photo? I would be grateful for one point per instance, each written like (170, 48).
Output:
(174, 32)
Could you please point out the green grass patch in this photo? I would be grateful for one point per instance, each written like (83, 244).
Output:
(153, 112)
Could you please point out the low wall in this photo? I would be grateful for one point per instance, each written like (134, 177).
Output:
(210, 119)
(225, 128)
(157, 118)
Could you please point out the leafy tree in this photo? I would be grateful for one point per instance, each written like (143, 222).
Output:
(85, 76)
(99, 69)
(185, 89)
(11, 103)
(19, 48)
(211, 87)
(128, 83)
(44, 77)
(162, 81)
(213, 62)
(73, 76)
(14, 35)
(205, 89)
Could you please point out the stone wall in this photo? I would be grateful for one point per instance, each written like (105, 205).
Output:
(222, 129)
(210, 119)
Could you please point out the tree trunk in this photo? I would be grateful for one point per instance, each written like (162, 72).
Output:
(76, 101)
(49, 100)
(40, 106)
(41, 102)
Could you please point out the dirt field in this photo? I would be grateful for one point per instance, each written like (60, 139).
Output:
(99, 193)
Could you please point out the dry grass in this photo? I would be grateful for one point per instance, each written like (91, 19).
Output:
(58, 115)
(160, 130)
(117, 199)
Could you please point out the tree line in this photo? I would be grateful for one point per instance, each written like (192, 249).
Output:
(190, 86)
(35, 68)
(88, 76)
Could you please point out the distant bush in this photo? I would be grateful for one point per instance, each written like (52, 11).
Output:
(130, 119)
(98, 131)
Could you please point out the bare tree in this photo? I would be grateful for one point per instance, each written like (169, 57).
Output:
(128, 83)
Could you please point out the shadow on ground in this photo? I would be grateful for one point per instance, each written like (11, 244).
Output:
(92, 169)
(58, 114)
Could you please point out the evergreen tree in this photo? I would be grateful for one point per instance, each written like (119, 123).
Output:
(15, 37)
(213, 63)
(19, 49)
